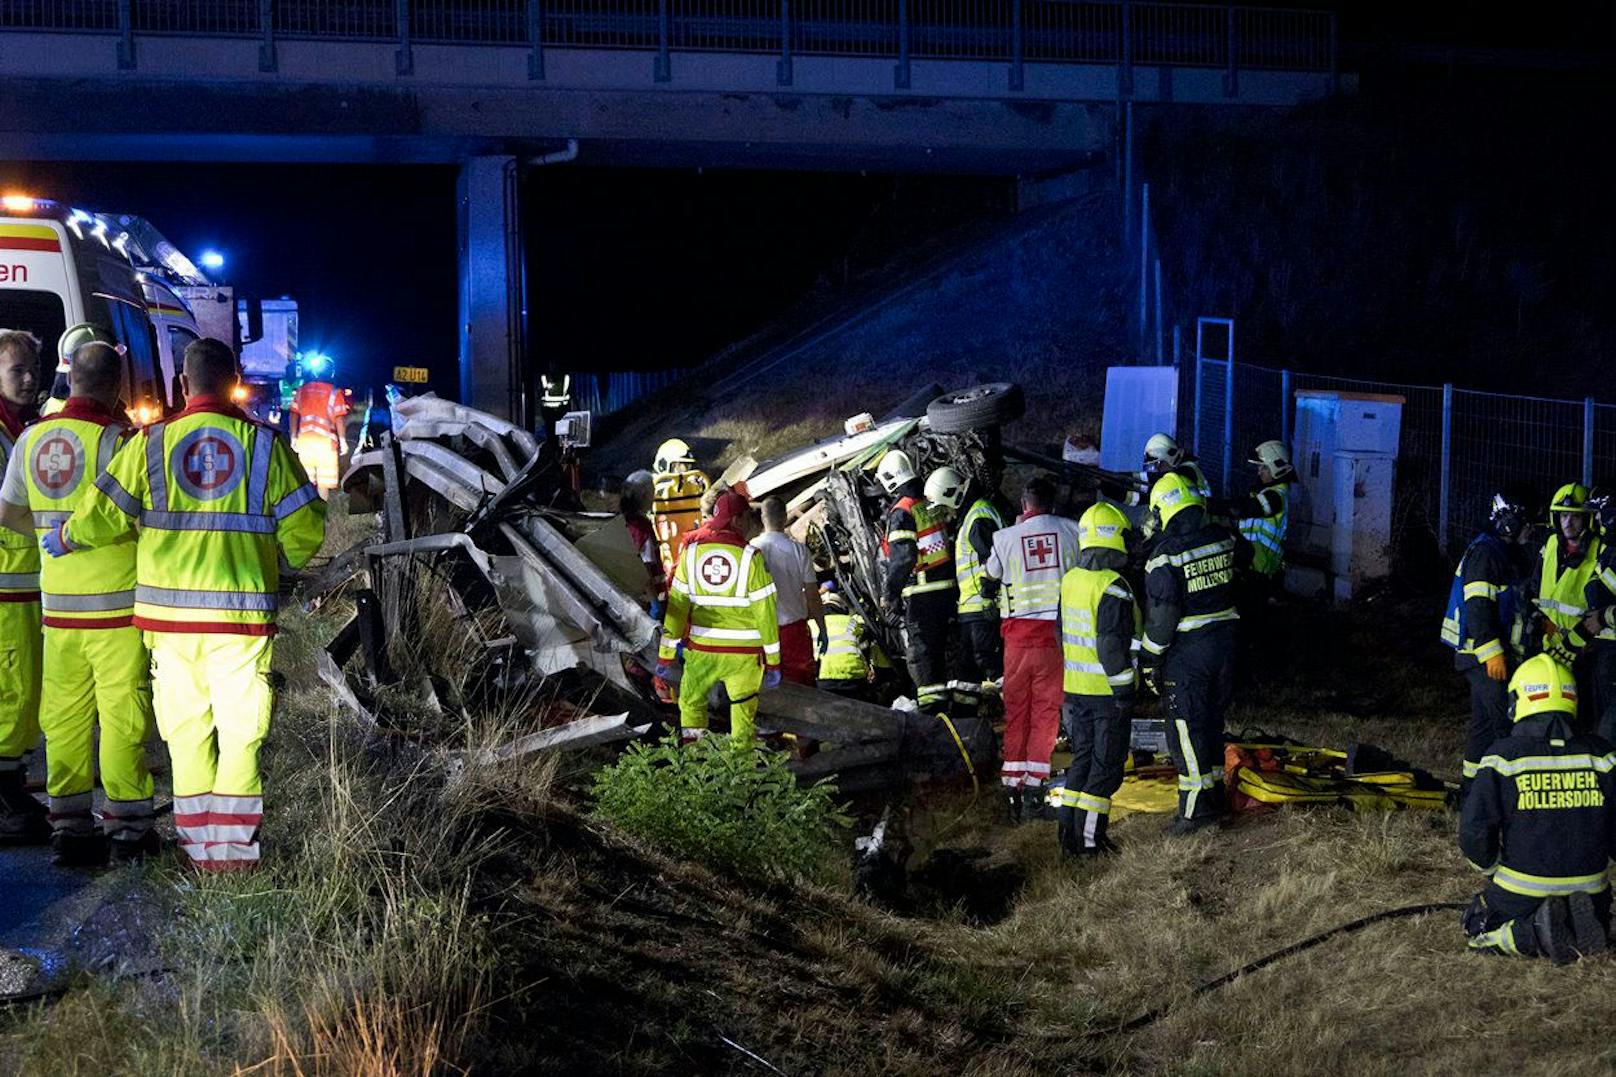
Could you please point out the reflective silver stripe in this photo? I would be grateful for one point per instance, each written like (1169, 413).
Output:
(295, 500)
(1190, 624)
(245, 601)
(1150, 646)
(730, 601)
(767, 591)
(19, 580)
(1560, 607)
(258, 475)
(156, 479)
(209, 521)
(110, 602)
(745, 574)
(45, 520)
(744, 635)
(1118, 592)
(935, 585)
(1548, 885)
(117, 494)
(107, 445)
(1080, 641)
(1082, 667)
(1120, 679)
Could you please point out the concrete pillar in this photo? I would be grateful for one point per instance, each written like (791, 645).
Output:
(492, 333)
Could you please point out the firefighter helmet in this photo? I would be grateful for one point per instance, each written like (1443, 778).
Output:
(1572, 498)
(1103, 527)
(894, 470)
(1602, 503)
(75, 337)
(1172, 494)
(1162, 454)
(945, 488)
(1542, 686)
(673, 455)
(1275, 457)
(1507, 516)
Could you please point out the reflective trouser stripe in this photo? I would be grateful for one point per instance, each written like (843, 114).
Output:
(1519, 882)
(111, 601)
(1190, 624)
(127, 820)
(96, 678)
(1192, 781)
(179, 598)
(1011, 772)
(71, 813)
(19, 581)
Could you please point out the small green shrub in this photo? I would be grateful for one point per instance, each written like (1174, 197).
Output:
(737, 811)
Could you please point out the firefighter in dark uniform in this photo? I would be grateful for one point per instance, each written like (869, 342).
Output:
(1594, 638)
(920, 575)
(979, 654)
(1480, 619)
(1540, 823)
(1099, 623)
(1188, 649)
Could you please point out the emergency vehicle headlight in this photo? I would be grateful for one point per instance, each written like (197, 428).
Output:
(18, 203)
(144, 413)
(239, 394)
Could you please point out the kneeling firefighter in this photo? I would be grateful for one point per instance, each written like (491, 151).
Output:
(1099, 622)
(1540, 823)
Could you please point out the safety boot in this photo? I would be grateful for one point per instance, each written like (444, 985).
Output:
(1552, 931)
(78, 850)
(23, 820)
(1588, 934)
(129, 851)
(1183, 827)
(1035, 802)
(1013, 803)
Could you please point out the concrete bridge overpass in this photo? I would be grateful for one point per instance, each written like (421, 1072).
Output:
(1013, 87)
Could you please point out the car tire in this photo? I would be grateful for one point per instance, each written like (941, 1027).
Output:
(976, 408)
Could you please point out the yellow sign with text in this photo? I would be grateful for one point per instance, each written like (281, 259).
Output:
(411, 374)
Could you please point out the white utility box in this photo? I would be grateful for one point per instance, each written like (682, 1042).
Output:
(1361, 543)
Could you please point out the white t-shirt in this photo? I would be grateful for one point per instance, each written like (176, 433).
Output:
(792, 567)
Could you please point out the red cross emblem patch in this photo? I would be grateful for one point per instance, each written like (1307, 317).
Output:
(58, 463)
(1040, 552)
(716, 570)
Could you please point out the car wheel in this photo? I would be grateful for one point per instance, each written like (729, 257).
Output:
(980, 406)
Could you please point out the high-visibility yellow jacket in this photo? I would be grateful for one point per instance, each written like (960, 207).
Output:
(55, 467)
(721, 602)
(1562, 589)
(675, 509)
(1099, 623)
(844, 658)
(980, 522)
(19, 555)
(1265, 527)
(219, 500)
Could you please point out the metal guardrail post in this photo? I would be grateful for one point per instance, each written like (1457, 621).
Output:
(1588, 442)
(404, 59)
(126, 35)
(1228, 421)
(266, 22)
(900, 74)
(1231, 74)
(535, 40)
(662, 66)
(1445, 480)
(1285, 410)
(782, 70)
(1017, 74)
(1125, 52)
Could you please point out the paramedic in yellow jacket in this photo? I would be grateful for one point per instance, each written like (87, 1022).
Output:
(220, 500)
(721, 608)
(22, 818)
(95, 665)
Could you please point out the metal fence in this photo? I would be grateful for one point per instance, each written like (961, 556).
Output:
(606, 393)
(1457, 446)
(1063, 31)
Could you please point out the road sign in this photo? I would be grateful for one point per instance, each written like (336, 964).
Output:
(416, 374)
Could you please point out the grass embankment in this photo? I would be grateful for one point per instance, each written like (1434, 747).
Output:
(406, 922)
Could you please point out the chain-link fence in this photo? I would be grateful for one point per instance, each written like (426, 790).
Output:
(1457, 447)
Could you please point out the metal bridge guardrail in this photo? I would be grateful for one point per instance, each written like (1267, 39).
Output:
(1047, 31)
(1457, 447)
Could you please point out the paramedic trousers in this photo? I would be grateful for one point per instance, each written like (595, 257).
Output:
(20, 647)
(90, 674)
(1098, 732)
(1197, 686)
(1032, 701)
(927, 619)
(213, 700)
(1500, 922)
(318, 454)
(797, 661)
(742, 677)
(979, 657)
(1489, 717)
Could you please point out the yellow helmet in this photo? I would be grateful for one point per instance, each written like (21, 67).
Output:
(1103, 527)
(1542, 686)
(1171, 495)
(674, 455)
(1572, 497)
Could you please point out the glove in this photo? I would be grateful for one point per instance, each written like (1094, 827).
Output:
(824, 643)
(771, 680)
(1150, 673)
(658, 608)
(1497, 668)
(670, 671)
(54, 541)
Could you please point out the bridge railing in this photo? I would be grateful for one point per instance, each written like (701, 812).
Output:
(1045, 31)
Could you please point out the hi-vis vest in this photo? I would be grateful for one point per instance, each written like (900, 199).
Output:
(843, 659)
(320, 407)
(967, 566)
(722, 602)
(219, 499)
(19, 555)
(60, 459)
(675, 509)
(1034, 555)
(1081, 591)
(931, 540)
(1456, 630)
(1560, 595)
(1267, 533)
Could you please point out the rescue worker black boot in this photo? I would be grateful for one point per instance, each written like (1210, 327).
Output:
(1012, 801)
(125, 851)
(1552, 931)
(22, 818)
(1588, 934)
(79, 850)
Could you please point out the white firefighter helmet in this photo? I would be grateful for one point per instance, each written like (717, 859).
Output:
(945, 488)
(1274, 456)
(894, 470)
(674, 455)
(1162, 453)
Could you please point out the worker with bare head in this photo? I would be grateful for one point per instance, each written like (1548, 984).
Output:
(97, 374)
(796, 593)
(22, 818)
(209, 370)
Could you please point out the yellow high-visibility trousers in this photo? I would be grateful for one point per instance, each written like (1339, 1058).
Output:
(213, 702)
(91, 673)
(20, 646)
(742, 677)
(317, 451)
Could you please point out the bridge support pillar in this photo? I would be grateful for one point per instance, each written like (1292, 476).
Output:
(492, 315)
